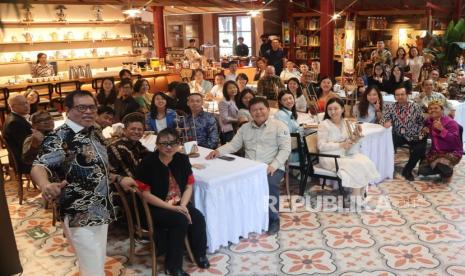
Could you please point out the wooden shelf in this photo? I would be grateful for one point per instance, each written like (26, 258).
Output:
(67, 59)
(67, 41)
(378, 30)
(61, 24)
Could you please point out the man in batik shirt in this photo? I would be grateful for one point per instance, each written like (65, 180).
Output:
(204, 123)
(72, 167)
(407, 121)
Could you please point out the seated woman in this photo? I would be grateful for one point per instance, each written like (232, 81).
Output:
(378, 77)
(324, 93)
(293, 86)
(397, 79)
(242, 81)
(33, 99)
(355, 169)
(198, 84)
(446, 143)
(142, 95)
(228, 111)
(107, 94)
(288, 115)
(160, 116)
(125, 153)
(165, 178)
(242, 104)
(370, 107)
(42, 68)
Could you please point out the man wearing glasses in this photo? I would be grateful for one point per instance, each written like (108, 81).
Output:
(42, 124)
(72, 167)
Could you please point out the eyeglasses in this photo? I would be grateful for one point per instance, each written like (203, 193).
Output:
(83, 108)
(168, 143)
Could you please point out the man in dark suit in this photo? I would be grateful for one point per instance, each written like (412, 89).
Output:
(17, 128)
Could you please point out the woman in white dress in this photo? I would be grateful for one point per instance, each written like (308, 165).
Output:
(415, 62)
(355, 169)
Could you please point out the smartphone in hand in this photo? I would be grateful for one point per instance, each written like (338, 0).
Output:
(226, 158)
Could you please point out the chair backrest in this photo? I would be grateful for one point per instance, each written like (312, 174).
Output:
(311, 142)
(11, 156)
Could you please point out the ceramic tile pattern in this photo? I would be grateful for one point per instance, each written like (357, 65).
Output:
(418, 230)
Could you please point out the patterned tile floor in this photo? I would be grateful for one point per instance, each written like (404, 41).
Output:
(419, 229)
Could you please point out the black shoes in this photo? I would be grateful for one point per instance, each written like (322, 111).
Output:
(176, 272)
(203, 262)
(408, 176)
(273, 227)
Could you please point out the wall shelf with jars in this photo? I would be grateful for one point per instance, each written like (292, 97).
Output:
(68, 34)
(34, 24)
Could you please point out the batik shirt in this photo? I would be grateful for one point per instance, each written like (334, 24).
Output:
(125, 155)
(206, 129)
(39, 70)
(79, 156)
(407, 120)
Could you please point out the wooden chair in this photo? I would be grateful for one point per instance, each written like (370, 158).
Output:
(3, 104)
(137, 229)
(20, 177)
(314, 169)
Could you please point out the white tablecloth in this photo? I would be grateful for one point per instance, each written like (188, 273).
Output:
(233, 197)
(377, 145)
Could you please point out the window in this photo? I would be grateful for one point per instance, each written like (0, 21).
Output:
(229, 29)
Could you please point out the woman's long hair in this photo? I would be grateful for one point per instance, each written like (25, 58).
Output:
(299, 88)
(138, 85)
(397, 53)
(319, 91)
(225, 89)
(383, 74)
(280, 106)
(393, 78)
(244, 92)
(153, 107)
(364, 104)
(333, 100)
(104, 100)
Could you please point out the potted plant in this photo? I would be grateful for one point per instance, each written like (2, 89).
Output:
(448, 47)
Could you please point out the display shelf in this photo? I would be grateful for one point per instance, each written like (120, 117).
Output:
(67, 41)
(61, 24)
(68, 59)
(378, 30)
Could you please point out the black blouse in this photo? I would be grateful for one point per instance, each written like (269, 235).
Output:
(152, 172)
